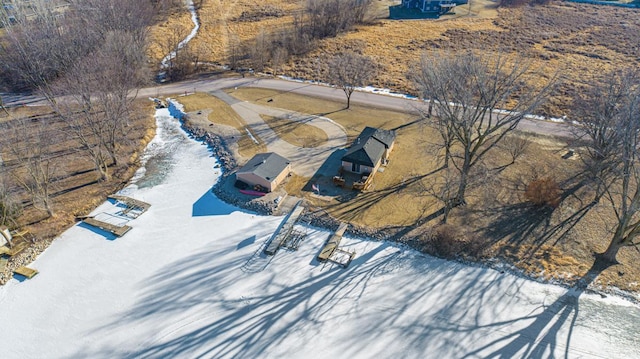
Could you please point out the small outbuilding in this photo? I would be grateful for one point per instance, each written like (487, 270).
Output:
(369, 150)
(266, 170)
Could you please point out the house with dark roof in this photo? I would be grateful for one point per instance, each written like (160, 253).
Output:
(369, 150)
(417, 9)
(266, 170)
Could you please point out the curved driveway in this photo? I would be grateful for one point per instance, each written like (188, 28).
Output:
(306, 160)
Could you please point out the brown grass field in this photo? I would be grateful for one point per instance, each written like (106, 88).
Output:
(577, 41)
(296, 133)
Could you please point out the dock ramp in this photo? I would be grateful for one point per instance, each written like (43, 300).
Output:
(112, 228)
(285, 229)
(331, 253)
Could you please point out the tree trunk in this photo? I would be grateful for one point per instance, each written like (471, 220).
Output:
(616, 243)
(447, 155)
(462, 186)
(612, 251)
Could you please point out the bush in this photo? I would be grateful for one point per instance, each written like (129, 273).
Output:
(543, 192)
(448, 241)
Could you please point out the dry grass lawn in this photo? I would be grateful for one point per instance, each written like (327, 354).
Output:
(353, 120)
(223, 114)
(296, 133)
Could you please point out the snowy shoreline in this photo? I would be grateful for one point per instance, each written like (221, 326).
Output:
(325, 222)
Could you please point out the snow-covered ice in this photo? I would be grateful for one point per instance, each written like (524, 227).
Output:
(189, 280)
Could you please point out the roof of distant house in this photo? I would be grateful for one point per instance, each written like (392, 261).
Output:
(265, 165)
(369, 147)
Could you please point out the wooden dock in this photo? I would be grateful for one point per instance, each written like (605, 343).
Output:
(117, 230)
(284, 230)
(26, 271)
(332, 244)
(131, 204)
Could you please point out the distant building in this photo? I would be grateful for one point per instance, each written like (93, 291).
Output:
(266, 170)
(415, 9)
(369, 151)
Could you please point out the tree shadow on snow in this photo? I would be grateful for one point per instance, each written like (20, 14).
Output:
(542, 337)
(208, 315)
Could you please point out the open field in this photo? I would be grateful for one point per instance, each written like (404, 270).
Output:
(579, 41)
(553, 243)
(296, 133)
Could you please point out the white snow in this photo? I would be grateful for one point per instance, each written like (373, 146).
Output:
(189, 280)
(196, 26)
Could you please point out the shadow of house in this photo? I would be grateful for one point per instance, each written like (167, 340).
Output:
(368, 152)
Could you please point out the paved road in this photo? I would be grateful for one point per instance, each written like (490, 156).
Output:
(395, 103)
(364, 98)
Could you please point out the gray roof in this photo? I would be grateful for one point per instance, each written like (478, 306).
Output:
(265, 165)
(369, 147)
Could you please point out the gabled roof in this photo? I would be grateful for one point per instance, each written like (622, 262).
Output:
(265, 165)
(369, 147)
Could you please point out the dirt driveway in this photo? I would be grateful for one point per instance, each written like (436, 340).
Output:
(306, 161)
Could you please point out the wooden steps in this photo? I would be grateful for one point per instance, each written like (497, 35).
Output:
(111, 228)
(17, 249)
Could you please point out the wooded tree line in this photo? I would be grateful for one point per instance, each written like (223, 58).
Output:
(317, 20)
(86, 60)
(475, 103)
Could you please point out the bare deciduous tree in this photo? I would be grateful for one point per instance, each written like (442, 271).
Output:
(10, 207)
(327, 18)
(234, 51)
(350, 70)
(477, 102)
(100, 92)
(279, 56)
(610, 116)
(38, 169)
(516, 146)
(259, 51)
